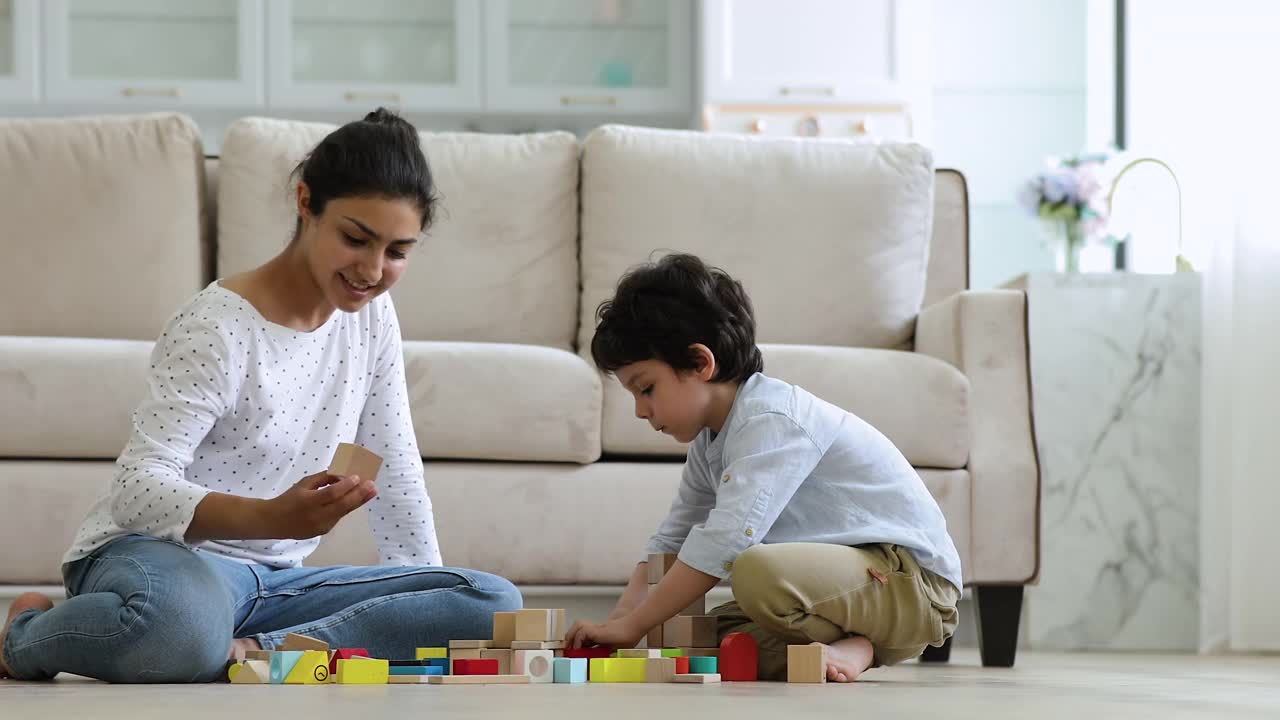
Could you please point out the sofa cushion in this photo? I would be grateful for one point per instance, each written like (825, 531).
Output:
(830, 238)
(500, 263)
(103, 224)
(495, 401)
(919, 402)
(69, 397)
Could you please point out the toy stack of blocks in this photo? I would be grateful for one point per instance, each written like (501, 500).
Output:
(692, 631)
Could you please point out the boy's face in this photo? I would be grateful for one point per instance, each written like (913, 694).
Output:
(673, 401)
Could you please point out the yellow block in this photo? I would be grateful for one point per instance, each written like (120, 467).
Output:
(363, 672)
(424, 653)
(312, 669)
(618, 670)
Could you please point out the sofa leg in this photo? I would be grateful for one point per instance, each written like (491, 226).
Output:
(937, 654)
(999, 608)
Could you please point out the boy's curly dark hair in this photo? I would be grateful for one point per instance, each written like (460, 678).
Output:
(663, 307)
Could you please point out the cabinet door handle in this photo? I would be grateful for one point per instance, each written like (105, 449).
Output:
(828, 90)
(352, 96)
(607, 100)
(151, 92)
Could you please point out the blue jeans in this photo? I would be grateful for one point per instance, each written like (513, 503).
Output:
(140, 609)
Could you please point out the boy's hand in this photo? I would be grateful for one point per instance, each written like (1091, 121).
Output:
(619, 633)
(316, 503)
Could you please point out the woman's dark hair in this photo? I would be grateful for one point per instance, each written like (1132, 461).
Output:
(377, 156)
(661, 308)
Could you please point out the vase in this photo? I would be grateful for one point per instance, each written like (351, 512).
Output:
(1066, 238)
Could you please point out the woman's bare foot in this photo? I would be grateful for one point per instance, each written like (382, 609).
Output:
(847, 658)
(25, 601)
(241, 646)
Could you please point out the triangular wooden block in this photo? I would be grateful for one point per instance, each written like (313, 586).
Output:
(250, 672)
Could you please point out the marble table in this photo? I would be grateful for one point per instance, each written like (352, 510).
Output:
(1115, 373)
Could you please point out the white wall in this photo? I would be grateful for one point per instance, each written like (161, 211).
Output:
(1010, 87)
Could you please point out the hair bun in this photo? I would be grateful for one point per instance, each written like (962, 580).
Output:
(383, 116)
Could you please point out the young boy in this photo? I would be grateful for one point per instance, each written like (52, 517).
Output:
(825, 530)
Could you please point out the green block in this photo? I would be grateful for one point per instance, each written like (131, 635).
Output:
(703, 665)
(672, 652)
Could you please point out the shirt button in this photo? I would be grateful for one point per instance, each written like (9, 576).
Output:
(725, 478)
(728, 566)
(750, 532)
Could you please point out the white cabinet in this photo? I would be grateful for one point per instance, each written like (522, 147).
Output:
(154, 52)
(411, 54)
(596, 56)
(18, 32)
(813, 51)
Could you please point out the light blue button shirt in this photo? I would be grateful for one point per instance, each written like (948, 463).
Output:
(790, 467)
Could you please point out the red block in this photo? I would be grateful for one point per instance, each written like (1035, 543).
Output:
(486, 666)
(589, 652)
(682, 665)
(739, 658)
(345, 654)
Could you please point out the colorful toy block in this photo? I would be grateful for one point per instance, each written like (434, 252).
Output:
(409, 679)
(537, 645)
(477, 679)
(311, 669)
(739, 658)
(362, 671)
(503, 656)
(504, 629)
(690, 631)
(806, 664)
(640, 653)
(482, 666)
(258, 655)
(618, 670)
(699, 678)
(431, 652)
(589, 652)
(702, 665)
(569, 670)
(470, 644)
(250, 672)
(542, 625)
(465, 654)
(539, 665)
(351, 459)
(414, 670)
(344, 654)
(682, 665)
(701, 652)
(672, 652)
(282, 663)
(659, 670)
(294, 641)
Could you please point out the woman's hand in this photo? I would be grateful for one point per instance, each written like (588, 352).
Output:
(315, 504)
(619, 633)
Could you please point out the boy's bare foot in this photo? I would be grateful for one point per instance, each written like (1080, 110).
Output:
(241, 646)
(847, 658)
(25, 601)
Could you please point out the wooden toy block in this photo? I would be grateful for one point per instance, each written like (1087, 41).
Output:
(542, 625)
(739, 658)
(503, 656)
(477, 679)
(414, 670)
(640, 653)
(690, 631)
(703, 665)
(469, 644)
(504, 629)
(482, 666)
(465, 654)
(258, 655)
(311, 669)
(539, 665)
(806, 664)
(536, 645)
(655, 639)
(659, 564)
(412, 663)
(442, 663)
(409, 679)
(659, 670)
(282, 663)
(431, 652)
(351, 459)
(294, 641)
(364, 671)
(569, 670)
(344, 654)
(696, 679)
(697, 607)
(701, 652)
(250, 672)
(672, 652)
(682, 665)
(619, 670)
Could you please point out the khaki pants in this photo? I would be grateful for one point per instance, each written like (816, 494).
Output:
(797, 593)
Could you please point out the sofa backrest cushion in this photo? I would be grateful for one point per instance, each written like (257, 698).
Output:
(830, 238)
(103, 226)
(500, 263)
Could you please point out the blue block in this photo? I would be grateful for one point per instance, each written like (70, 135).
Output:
(442, 663)
(702, 665)
(569, 670)
(282, 662)
(416, 670)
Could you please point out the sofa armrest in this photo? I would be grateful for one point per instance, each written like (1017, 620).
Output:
(984, 334)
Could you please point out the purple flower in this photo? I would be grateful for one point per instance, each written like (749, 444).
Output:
(1061, 186)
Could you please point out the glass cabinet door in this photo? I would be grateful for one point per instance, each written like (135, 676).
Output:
(154, 51)
(18, 83)
(417, 54)
(584, 55)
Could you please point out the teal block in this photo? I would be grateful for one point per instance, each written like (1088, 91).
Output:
(569, 670)
(703, 665)
(442, 663)
(416, 670)
(282, 662)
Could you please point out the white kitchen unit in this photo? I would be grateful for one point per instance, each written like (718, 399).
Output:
(19, 69)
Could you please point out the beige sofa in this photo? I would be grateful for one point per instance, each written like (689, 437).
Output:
(855, 256)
